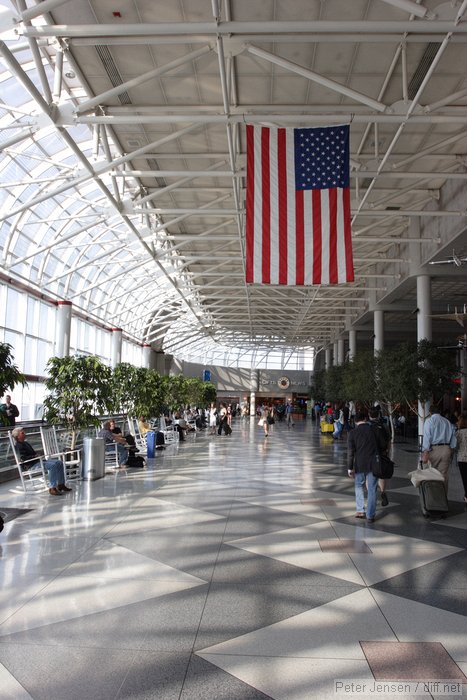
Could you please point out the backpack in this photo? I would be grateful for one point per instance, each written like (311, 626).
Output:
(135, 461)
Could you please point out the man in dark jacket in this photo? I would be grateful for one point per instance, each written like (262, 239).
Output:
(361, 446)
(9, 410)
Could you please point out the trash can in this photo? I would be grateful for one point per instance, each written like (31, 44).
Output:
(93, 458)
(151, 443)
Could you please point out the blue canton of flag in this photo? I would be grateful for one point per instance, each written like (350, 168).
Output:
(321, 158)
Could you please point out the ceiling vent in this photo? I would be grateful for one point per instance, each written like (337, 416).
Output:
(111, 70)
(422, 69)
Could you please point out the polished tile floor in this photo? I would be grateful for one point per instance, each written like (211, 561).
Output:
(232, 568)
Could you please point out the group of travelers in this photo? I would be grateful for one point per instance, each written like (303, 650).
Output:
(442, 439)
(341, 416)
(367, 431)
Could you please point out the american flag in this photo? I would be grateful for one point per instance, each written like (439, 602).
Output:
(298, 206)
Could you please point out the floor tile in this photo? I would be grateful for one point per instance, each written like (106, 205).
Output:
(424, 661)
(231, 569)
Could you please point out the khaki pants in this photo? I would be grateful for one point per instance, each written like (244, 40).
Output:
(440, 458)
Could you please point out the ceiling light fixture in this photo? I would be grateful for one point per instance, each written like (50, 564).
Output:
(412, 7)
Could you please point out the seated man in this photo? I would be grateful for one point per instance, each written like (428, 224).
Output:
(29, 457)
(111, 438)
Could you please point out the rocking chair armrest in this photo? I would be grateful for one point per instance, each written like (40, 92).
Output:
(36, 463)
(76, 451)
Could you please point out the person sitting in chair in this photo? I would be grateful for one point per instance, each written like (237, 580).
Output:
(54, 467)
(110, 438)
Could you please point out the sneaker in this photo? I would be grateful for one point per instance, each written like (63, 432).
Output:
(62, 487)
(384, 499)
(370, 520)
(54, 492)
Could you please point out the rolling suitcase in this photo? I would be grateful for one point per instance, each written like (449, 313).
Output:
(433, 499)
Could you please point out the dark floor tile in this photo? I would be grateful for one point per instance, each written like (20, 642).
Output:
(205, 682)
(9, 514)
(440, 584)
(423, 661)
(240, 566)
(235, 609)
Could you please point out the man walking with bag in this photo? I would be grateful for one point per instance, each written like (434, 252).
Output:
(439, 443)
(361, 447)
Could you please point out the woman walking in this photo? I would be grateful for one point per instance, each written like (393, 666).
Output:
(265, 413)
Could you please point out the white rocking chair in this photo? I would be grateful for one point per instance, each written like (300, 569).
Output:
(33, 476)
(71, 458)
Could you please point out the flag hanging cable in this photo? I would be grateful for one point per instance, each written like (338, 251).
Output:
(298, 229)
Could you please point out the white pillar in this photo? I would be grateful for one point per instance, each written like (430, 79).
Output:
(116, 349)
(327, 358)
(352, 344)
(254, 385)
(340, 351)
(378, 329)
(63, 329)
(424, 324)
(146, 355)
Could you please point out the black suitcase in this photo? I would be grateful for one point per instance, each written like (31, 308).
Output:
(433, 500)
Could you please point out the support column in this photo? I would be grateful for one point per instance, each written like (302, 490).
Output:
(63, 329)
(116, 350)
(334, 353)
(378, 326)
(254, 384)
(424, 332)
(424, 324)
(146, 355)
(352, 344)
(340, 351)
(327, 358)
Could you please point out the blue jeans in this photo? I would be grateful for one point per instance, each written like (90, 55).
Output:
(337, 429)
(122, 452)
(372, 486)
(55, 471)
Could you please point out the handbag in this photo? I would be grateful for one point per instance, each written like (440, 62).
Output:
(382, 466)
(261, 422)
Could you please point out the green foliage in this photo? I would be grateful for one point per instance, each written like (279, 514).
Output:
(318, 385)
(334, 383)
(79, 391)
(195, 392)
(405, 374)
(174, 392)
(140, 391)
(359, 382)
(396, 375)
(10, 375)
(149, 393)
(209, 394)
(436, 370)
(124, 387)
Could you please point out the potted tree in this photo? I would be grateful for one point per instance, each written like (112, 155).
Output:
(79, 392)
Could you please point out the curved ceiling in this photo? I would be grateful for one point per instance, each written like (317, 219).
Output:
(122, 161)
